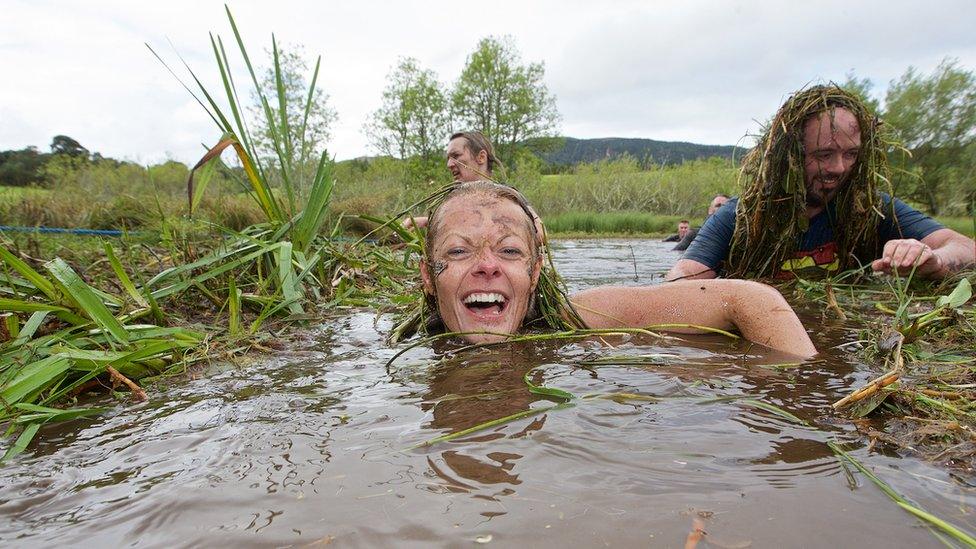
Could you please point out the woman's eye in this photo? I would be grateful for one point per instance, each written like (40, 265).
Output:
(456, 252)
(511, 252)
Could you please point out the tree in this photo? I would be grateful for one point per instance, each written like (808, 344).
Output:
(934, 117)
(503, 98)
(62, 144)
(413, 120)
(292, 69)
(23, 167)
(861, 87)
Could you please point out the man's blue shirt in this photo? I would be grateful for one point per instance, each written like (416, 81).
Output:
(711, 246)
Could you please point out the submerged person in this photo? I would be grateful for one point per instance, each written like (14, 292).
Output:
(481, 272)
(683, 227)
(812, 204)
(717, 202)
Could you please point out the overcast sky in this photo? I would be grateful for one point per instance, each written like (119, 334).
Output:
(699, 71)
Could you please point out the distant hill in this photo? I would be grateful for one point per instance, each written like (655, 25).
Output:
(575, 151)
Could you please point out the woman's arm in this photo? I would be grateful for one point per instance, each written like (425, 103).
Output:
(758, 311)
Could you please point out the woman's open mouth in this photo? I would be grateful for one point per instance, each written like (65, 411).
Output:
(486, 303)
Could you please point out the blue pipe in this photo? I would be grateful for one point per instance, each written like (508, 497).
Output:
(88, 232)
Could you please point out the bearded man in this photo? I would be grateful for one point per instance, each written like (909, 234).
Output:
(813, 204)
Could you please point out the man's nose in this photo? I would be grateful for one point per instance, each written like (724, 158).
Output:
(836, 164)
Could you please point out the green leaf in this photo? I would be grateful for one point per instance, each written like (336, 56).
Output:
(546, 391)
(317, 206)
(33, 378)
(234, 308)
(130, 288)
(82, 293)
(958, 297)
(44, 414)
(286, 279)
(35, 278)
(22, 441)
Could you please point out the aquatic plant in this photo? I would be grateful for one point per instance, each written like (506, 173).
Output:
(280, 255)
(72, 337)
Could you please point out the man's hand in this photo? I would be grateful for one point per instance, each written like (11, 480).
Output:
(411, 222)
(901, 255)
(939, 254)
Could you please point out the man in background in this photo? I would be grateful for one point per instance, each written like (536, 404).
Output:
(713, 206)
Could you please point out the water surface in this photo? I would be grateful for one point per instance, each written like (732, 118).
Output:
(319, 445)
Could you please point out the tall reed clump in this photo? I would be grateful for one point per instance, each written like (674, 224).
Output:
(279, 262)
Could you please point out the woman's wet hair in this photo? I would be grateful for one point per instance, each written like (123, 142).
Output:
(477, 142)
(470, 189)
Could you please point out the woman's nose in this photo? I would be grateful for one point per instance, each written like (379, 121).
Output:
(487, 264)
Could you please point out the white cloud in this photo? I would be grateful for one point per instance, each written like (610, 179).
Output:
(696, 71)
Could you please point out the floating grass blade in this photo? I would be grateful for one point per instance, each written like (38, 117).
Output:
(490, 424)
(565, 396)
(902, 502)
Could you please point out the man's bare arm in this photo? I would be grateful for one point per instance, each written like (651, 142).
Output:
(689, 269)
(939, 254)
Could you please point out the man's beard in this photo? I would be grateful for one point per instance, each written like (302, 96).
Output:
(815, 200)
(820, 197)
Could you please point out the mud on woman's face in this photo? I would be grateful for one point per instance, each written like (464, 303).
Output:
(482, 271)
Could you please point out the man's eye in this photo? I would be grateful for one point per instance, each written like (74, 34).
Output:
(456, 252)
(511, 252)
(850, 155)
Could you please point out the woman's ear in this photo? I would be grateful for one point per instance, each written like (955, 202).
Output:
(536, 271)
(426, 278)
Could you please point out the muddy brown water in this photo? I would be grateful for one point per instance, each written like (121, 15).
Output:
(314, 447)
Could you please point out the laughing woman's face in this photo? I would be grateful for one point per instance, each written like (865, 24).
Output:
(482, 267)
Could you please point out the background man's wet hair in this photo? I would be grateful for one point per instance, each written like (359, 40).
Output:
(477, 142)
(771, 213)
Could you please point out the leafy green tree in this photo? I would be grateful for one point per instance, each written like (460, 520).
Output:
(934, 117)
(503, 98)
(62, 144)
(23, 167)
(413, 120)
(308, 145)
(861, 87)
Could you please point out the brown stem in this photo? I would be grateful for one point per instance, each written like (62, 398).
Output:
(872, 387)
(832, 303)
(137, 391)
